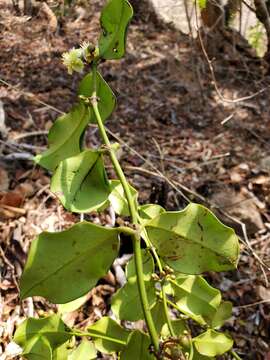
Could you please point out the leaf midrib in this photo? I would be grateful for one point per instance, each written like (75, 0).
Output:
(186, 239)
(61, 268)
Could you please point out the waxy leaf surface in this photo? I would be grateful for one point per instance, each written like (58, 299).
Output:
(114, 336)
(81, 183)
(64, 266)
(212, 343)
(106, 98)
(114, 21)
(196, 298)
(64, 138)
(193, 241)
(137, 347)
(39, 337)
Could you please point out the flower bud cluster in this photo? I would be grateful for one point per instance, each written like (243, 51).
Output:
(75, 59)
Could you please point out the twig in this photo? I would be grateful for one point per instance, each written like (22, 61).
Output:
(248, 6)
(211, 68)
(33, 133)
(13, 209)
(228, 118)
(17, 156)
(31, 96)
(253, 304)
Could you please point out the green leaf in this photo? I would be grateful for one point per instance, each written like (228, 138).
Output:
(202, 4)
(65, 137)
(66, 265)
(137, 347)
(193, 241)
(114, 21)
(38, 349)
(39, 337)
(118, 199)
(113, 337)
(61, 353)
(106, 98)
(126, 304)
(223, 313)
(196, 298)
(212, 343)
(73, 305)
(85, 351)
(178, 326)
(198, 356)
(149, 211)
(81, 182)
(148, 266)
(158, 316)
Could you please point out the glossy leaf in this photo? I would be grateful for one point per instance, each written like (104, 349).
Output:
(85, 351)
(114, 337)
(117, 197)
(39, 337)
(137, 348)
(64, 138)
(193, 241)
(223, 313)
(106, 97)
(66, 265)
(81, 182)
(114, 21)
(196, 298)
(126, 304)
(212, 343)
(149, 211)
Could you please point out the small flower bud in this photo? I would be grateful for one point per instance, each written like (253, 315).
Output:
(154, 277)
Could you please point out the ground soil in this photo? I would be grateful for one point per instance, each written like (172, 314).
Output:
(177, 131)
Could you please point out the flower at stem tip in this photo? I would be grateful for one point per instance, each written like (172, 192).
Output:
(72, 60)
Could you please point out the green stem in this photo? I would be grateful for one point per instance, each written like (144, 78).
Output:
(234, 355)
(164, 296)
(136, 240)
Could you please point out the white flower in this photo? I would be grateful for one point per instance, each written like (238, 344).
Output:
(72, 60)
